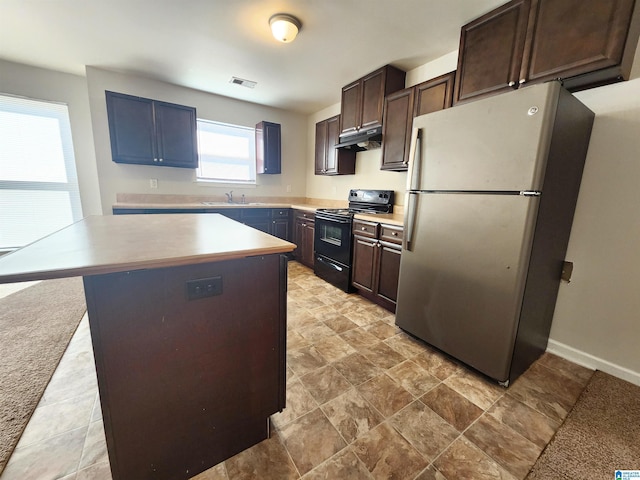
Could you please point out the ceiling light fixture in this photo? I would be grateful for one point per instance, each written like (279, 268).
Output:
(284, 27)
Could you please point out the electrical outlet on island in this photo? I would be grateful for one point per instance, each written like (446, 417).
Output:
(153, 183)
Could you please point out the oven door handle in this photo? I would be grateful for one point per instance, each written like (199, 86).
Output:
(332, 220)
(329, 264)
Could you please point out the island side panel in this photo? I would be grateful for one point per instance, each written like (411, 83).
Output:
(185, 384)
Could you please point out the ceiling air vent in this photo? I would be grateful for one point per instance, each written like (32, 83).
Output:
(243, 82)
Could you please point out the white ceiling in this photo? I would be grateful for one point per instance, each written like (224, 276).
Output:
(201, 44)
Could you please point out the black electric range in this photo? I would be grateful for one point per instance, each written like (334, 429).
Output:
(333, 241)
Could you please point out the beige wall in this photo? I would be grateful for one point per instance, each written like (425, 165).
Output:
(120, 178)
(41, 84)
(597, 318)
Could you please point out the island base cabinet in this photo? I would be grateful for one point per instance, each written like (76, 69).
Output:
(187, 383)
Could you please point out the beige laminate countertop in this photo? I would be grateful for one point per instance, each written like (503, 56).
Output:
(388, 218)
(392, 219)
(117, 243)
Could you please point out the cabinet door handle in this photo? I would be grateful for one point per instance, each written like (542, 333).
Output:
(363, 228)
(522, 80)
(155, 159)
(160, 160)
(394, 234)
(512, 83)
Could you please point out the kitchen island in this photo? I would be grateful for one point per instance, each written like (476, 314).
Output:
(188, 323)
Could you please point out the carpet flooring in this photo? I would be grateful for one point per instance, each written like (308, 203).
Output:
(599, 436)
(36, 325)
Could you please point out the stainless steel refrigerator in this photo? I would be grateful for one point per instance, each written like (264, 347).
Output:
(491, 192)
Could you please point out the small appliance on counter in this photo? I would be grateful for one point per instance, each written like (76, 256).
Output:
(333, 241)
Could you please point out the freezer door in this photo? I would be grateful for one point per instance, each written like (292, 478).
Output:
(461, 284)
(494, 144)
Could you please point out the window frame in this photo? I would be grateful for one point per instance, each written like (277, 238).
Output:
(249, 133)
(60, 112)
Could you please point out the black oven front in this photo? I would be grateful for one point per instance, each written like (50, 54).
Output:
(332, 245)
(333, 239)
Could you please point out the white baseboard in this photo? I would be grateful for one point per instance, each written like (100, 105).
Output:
(590, 361)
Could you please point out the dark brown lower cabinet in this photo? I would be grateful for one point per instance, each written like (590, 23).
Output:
(276, 221)
(304, 228)
(376, 261)
(187, 383)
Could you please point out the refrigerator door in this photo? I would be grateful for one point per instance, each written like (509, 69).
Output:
(498, 143)
(461, 282)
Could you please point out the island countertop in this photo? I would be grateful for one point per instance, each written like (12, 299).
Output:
(116, 243)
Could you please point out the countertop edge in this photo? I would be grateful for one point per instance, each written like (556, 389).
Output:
(388, 218)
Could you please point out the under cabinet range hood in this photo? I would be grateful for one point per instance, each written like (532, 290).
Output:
(363, 140)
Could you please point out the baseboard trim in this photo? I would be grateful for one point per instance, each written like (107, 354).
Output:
(587, 360)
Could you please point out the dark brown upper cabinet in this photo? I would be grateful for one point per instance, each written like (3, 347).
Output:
(491, 49)
(400, 108)
(328, 159)
(598, 39)
(585, 43)
(433, 95)
(268, 148)
(149, 132)
(363, 100)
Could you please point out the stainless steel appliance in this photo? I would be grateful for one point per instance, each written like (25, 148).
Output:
(333, 240)
(492, 189)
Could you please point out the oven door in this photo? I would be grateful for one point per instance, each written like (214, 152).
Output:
(333, 238)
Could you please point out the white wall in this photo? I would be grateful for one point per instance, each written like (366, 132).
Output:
(41, 84)
(597, 317)
(121, 178)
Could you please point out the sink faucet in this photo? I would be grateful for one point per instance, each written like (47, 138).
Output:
(229, 196)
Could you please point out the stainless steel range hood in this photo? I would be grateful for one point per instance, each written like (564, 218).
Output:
(362, 140)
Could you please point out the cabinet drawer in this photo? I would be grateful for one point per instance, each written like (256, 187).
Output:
(310, 216)
(365, 229)
(280, 213)
(256, 213)
(391, 233)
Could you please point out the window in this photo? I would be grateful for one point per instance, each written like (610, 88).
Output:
(227, 153)
(38, 183)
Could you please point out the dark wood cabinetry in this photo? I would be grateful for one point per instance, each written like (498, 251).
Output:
(275, 221)
(363, 100)
(585, 43)
(268, 148)
(258, 218)
(399, 110)
(328, 159)
(396, 134)
(376, 261)
(281, 223)
(149, 132)
(304, 229)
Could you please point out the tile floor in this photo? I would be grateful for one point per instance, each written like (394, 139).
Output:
(364, 401)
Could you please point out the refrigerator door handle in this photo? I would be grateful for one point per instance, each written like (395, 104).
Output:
(410, 221)
(415, 159)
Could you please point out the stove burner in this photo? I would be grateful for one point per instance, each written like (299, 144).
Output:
(371, 202)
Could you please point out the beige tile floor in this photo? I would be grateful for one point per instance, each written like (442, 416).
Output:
(364, 401)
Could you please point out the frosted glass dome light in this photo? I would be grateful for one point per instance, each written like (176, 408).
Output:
(284, 27)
